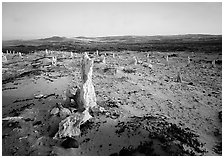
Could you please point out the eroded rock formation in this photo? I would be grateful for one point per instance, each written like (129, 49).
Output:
(85, 99)
(54, 60)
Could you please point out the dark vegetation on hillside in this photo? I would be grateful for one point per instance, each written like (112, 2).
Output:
(194, 43)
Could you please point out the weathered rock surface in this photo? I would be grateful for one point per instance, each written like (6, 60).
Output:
(86, 97)
(70, 126)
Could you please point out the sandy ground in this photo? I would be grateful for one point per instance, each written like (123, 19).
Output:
(144, 111)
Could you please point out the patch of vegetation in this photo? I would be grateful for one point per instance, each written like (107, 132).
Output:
(166, 133)
(129, 70)
(218, 148)
(143, 149)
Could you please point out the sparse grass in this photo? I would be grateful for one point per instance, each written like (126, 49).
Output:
(129, 70)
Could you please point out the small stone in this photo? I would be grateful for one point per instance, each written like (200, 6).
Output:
(54, 111)
(70, 143)
(102, 109)
(39, 96)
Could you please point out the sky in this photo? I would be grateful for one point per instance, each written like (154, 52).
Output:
(29, 20)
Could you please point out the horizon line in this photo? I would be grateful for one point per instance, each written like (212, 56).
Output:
(113, 36)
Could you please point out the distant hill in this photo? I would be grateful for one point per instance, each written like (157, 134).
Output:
(54, 38)
(190, 42)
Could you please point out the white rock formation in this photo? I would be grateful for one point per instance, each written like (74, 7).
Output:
(70, 126)
(20, 55)
(71, 55)
(213, 63)
(54, 60)
(188, 60)
(167, 58)
(135, 60)
(139, 61)
(54, 111)
(86, 98)
(104, 60)
(4, 58)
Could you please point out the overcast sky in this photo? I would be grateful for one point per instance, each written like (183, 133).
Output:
(40, 20)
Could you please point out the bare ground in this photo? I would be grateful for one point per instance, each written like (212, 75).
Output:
(145, 111)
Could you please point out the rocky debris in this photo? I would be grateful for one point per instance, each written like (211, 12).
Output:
(147, 65)
(70, 126)
(70, 143)
(54, 111)
(61, 111)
